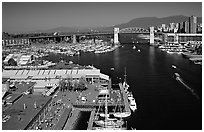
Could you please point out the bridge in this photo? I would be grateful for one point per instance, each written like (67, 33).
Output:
(148, 34)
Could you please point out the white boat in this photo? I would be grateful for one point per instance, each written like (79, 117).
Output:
(122, 114)
(104, 115)
(109, 123)
(138, 50)
(133, 105)
(134, 47)
(173, 66)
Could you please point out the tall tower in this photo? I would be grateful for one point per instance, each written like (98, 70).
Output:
(151, 35)
(193, 24)
(74, 39)
(116, 31)
(186, 26)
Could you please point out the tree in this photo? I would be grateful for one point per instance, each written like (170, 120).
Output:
(12, 62)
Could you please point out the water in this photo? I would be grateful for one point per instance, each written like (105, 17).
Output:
(163, 103)
(82, 123)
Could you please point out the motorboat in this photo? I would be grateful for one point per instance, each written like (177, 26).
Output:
(112, 69)
(122, 114)
(109, 123)
(133, 105)
(173, 66)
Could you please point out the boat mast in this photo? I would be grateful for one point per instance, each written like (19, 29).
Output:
(106, 111)
(125, 76)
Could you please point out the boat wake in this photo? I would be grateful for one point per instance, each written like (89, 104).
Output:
(178, 78)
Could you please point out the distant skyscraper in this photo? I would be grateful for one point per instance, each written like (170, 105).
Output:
(193, 24)
(180, 30)
(186, 27)
(163, 27)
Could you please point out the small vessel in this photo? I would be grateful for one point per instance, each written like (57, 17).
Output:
(134, 47)
(112, 69)
(176, 75)
(173, 66)
(109, 123)
(138, 50)
(133, 105)
(122, 114)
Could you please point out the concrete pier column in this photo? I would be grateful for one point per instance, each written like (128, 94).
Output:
(151, 36)
(176, 38)
(74, 39)
(116, 31)
(3, 43)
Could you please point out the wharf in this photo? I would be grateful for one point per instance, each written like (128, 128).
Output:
(127, 108)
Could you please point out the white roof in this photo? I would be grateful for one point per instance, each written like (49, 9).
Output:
(54, 73)
(104, 91)
(103, 76)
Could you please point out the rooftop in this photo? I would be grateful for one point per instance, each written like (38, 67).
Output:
(20, 117)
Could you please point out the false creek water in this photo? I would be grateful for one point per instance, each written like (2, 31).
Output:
(163, 103)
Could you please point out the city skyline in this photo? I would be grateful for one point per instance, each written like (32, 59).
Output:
(24, 17)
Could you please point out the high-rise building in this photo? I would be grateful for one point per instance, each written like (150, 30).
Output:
(193, 24)
(186, 26)
(180, 29)
(199, 28)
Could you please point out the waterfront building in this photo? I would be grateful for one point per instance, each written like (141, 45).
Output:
(10, 42)
(186, 26)
(180, 37)
(192, 24)
(181, 27)
(26, 113)
(199, 28)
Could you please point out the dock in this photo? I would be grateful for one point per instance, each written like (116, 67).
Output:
(126, 103)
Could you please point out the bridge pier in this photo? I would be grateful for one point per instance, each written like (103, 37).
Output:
(74, 39)
(176, 38)
(151, 35)
(116, 31)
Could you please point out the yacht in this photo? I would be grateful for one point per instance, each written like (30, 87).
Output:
(122, 114)
(133, 105)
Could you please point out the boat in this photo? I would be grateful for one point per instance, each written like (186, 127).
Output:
(173, 66)
(134, 47)
(176, 75)
(112, 69)
(133, 105)
(138, 50)
(191, 55)
(109, 123)
(122, 114)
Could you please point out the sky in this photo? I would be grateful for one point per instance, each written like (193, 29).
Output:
(29, 16)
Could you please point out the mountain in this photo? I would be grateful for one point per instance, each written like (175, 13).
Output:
(154, 21)
(144, 22)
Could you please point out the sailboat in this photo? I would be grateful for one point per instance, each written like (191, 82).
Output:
(133, 105)
(109, 123)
